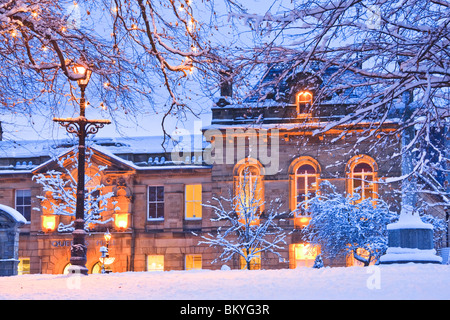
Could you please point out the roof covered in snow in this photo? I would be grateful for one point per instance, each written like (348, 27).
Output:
(136, 152)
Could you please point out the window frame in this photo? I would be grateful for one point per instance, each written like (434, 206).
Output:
(301, 220)
(312, 252)
(157, 256)
(255, 262)
(193, 256)
(193, 201)
(238, 179)
(352, 164)
(16, 206)
(306, 176)
(300, 102)
(156, 202)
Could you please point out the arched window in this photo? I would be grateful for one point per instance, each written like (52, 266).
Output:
(304, 176)
(305, 182)
(249, 193)
(362, 177)
(304, 102)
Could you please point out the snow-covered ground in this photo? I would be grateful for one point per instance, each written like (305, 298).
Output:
(410, 281)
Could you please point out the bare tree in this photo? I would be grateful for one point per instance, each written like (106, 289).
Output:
(244, 230)
(60, 188)
(133, 48)
(387, 61)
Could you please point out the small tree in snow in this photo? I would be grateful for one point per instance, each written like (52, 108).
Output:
(245, 232)
(60, 189)
(346, 224)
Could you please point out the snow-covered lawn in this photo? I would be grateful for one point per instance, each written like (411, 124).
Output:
(410, 281)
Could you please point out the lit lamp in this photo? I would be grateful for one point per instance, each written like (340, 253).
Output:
(82, 71)
(48, 223)
(81, 127)
(121, 221)
(105, 259)
(107, 237)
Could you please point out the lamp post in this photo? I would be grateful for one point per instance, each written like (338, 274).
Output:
(105, 259)
(81, 127)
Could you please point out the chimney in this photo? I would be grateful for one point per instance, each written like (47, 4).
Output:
(226, 83)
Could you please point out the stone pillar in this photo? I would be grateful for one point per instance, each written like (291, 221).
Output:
(10, 221)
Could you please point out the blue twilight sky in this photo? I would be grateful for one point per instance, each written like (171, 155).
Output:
(40, 126)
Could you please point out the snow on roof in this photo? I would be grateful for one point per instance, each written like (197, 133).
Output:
(22, 152)
(115, 145)
(14, 214)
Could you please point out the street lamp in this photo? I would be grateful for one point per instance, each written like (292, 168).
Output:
(105, 259)
(81, 127)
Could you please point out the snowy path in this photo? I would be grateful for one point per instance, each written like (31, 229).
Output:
(385, 282)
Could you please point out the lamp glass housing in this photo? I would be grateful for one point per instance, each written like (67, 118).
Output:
(81, 70)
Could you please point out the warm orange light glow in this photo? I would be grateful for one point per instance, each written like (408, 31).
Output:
(48, 223)
(304, 254)
(304, 96)
(301, 222)
(303, 101)
(107, 260)
(121, 221)
(79, 69)
(107, 236)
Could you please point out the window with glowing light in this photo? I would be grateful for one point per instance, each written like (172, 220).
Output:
(303, 254)
(155, 262)
(193, 201)
(363, 177)
(96, 268)
(155, 203)
(304, 102)
(255, 262)
(352, 262)
(193, 262)
(249, 192)
(303, 186)
(66, 268)
(24, 266)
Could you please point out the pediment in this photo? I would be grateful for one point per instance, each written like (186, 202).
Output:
(98, 158)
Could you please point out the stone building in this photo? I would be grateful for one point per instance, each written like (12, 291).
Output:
(284, 141)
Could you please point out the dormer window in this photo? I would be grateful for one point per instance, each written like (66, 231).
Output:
(304, 102)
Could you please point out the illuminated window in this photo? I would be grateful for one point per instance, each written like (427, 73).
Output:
(193, 201)
(193, 262)
(304, 102)
(303, 254)
(155, 263)
(362, 180)
(24, 266)
(23, 203)
(352, 262)
(249, 193)
(304, 183)
(97, 268)
(155, 203)
(66, 268)
(255, 262)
